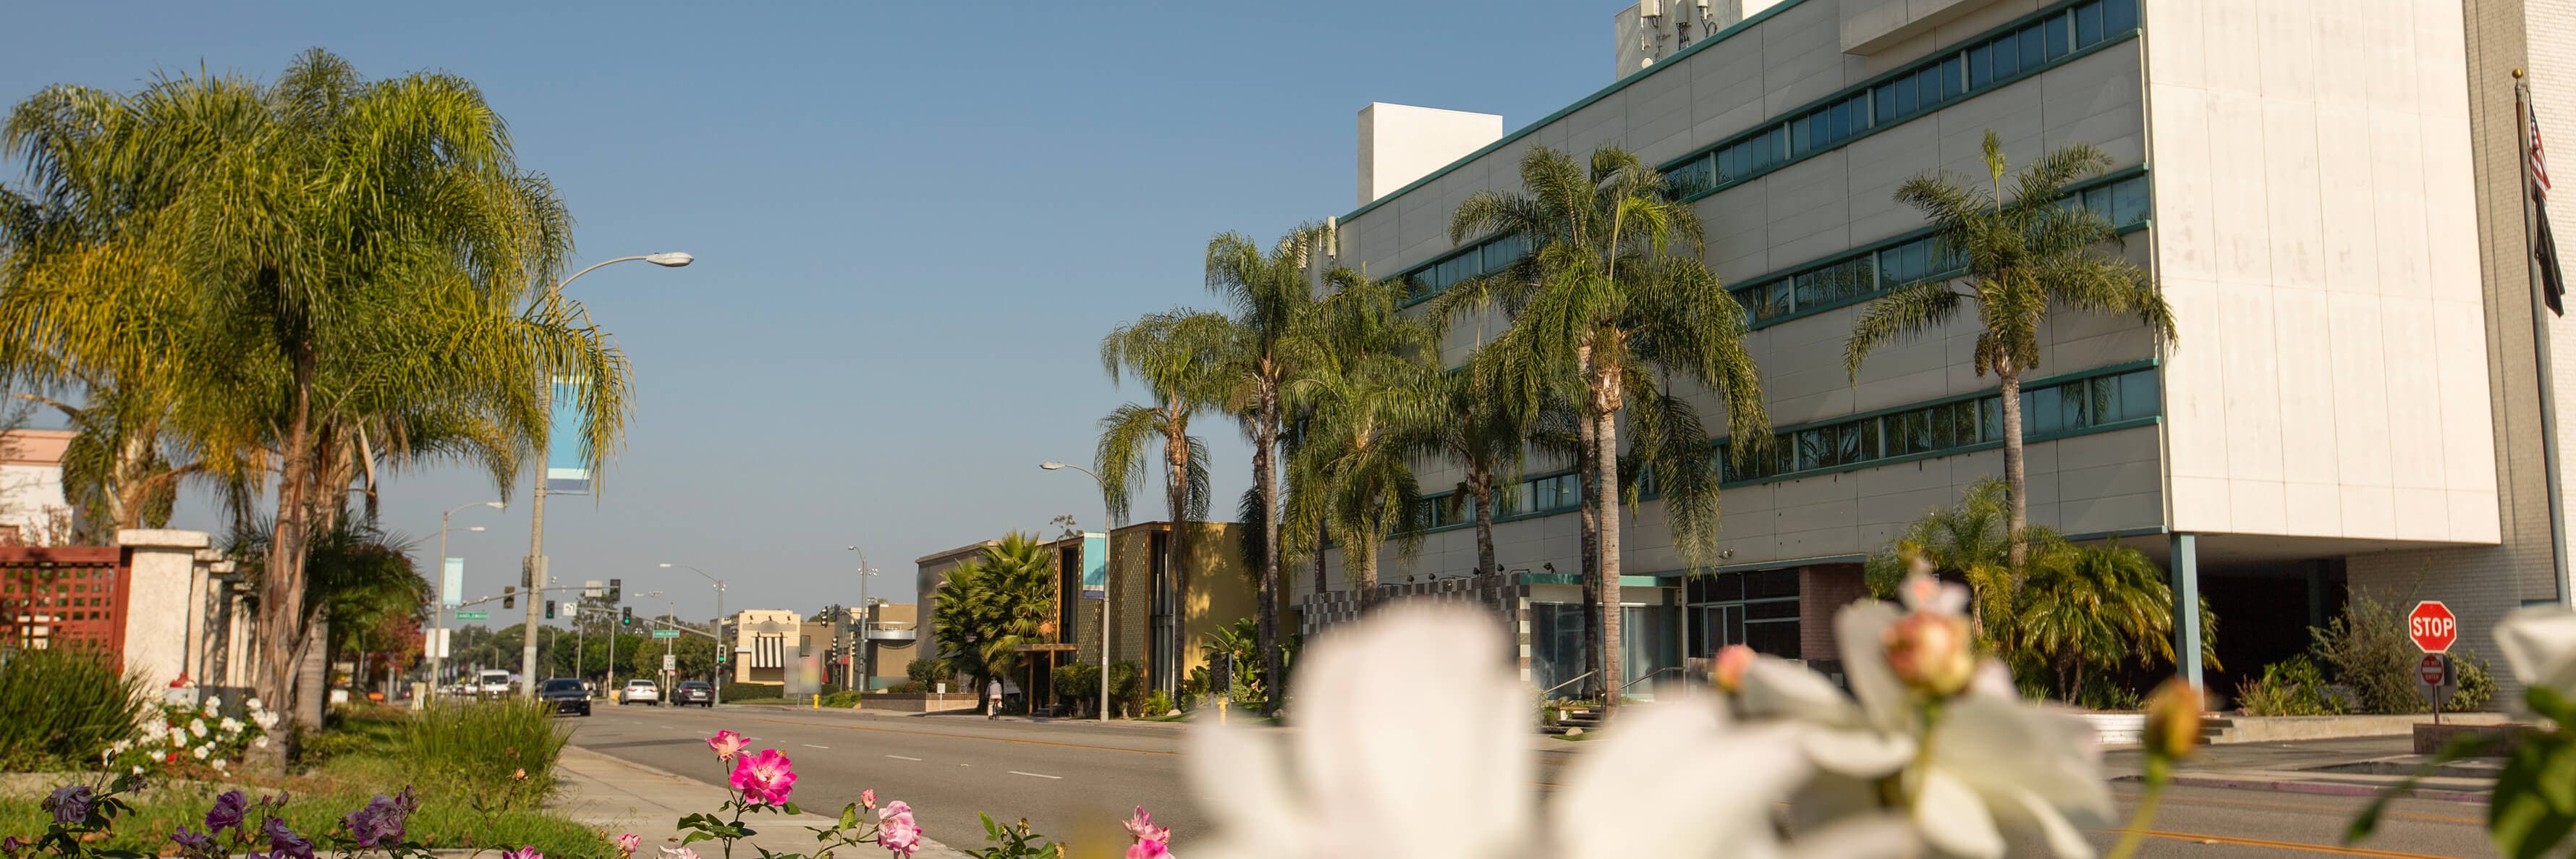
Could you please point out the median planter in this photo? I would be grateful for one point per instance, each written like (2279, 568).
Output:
(2504, 738)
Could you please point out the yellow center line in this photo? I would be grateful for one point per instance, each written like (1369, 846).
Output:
(2281, 845)
(970, 737)
(2444, 818)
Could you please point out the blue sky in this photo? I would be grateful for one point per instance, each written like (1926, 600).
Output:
(913, 222)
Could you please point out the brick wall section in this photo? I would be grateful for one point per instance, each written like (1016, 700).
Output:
(1822, 590)
(2481, 584)
(1507, 600)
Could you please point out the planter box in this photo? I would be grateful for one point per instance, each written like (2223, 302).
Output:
(2430, 738)
(919, 702)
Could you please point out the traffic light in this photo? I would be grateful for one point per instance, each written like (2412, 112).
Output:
(616, 590)
(550, 609)
(509, 596)
(626, 615)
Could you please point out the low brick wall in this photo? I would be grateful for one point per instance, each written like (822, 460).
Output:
(2269, 729)
(917, 702)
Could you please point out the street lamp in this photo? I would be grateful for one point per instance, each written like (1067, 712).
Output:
(847, 674)
(438, 662)
(1105, 543)
(724, 656)
(537, 521)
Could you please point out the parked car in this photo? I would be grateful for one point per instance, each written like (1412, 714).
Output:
(639, 691)
(566, 695)
(693, 692)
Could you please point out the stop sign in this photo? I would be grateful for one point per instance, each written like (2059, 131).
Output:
(2432, 626)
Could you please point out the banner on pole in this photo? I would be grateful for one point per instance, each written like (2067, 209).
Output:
(566, 472)
(1095, 566)
(451, 585)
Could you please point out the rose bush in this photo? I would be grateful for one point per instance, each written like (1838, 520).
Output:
(179, 740)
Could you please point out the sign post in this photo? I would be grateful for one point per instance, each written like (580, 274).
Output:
(2433, 628)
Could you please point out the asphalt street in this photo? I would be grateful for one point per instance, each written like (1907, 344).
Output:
(1062, 775)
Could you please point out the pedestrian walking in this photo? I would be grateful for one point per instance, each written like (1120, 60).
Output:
(993, 698)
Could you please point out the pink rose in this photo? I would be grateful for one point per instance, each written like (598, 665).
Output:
(1149, 850)
(896, 831)
(1142, 826)
(1728, 673)
(1931, 651)
(727, 744)
(627, 843)
(522, 853)
(868, 798)
(764, 777)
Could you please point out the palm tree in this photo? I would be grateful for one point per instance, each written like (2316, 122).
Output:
(353, 258)
(1612, 301)
(1375, 400)
(2020, 257)
(2087, 607)
(994, 603)
(1969, 542)
(1272, 301)
(1178, 355)
(1486, 437)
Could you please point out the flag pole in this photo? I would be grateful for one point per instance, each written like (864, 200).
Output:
(2540, 338)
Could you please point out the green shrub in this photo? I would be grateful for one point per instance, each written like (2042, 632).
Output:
(843, 699)
(748, 691)
(2368, 651)
(500, 752)
(927, 672)
(61, 709)
(1158, 703)
(1126, 685)
(2477, 684)
(2290, 687)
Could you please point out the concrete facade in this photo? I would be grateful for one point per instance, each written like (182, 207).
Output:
(1163, 633)
(2327, 194)
(33, 511)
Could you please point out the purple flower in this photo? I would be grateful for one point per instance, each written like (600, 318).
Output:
(194, 843)
(283, 843)
(228, 812)
(381, 822)
(71, 803)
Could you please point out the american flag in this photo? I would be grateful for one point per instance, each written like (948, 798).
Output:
(2544, 247)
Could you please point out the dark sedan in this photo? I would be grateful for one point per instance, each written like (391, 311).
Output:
(694, 692)
(566, 695)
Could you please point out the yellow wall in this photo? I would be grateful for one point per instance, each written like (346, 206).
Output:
(1216, 590)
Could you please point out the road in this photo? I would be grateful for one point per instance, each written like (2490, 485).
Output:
(1063, 775)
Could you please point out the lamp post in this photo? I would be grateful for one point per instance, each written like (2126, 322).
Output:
(854, 673)
(724, 655)
(438, 663)
(1105, 581)
(537, 521)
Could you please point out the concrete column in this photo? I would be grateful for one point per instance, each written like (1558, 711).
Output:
(159, 614)
(2186, 606)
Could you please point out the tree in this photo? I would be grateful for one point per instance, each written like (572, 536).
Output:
(1612, 306)
(1179, 357)
(1969, 542)
(1273, 303)
(2019, 257)
(362, 268)
(992, 604)
(1375, 402)
(1486, 437)
(2089, 607)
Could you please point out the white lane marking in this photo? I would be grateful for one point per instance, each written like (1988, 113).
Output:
(813, 746)
(902, 758)
(1037, 775)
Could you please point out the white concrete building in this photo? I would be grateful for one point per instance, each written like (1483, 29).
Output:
(33, 511)
(2327, 192)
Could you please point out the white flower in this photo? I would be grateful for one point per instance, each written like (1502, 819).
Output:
(263, 718)
(230, 725)
(138, 770)
(154, 730)
(254, 704)
(178, 739)
(1448, 776)
(1995, 761)
(197, 728)
(213, 706)
(2540, 644)
(198, 752)
(220, 765)
(260, 743)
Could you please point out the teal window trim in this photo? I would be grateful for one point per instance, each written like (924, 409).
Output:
(1665, 64)
(1862, 427)
(1786, 150)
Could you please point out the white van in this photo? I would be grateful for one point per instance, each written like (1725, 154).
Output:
(492, 682)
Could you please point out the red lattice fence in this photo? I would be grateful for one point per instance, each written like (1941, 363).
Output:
(64, 597)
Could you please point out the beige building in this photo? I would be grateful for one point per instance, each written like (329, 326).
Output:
(2329, 196)
(1165, 613)
(767, 644)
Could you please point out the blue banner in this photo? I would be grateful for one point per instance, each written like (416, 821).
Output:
(1095, 566)
(451, 586)
(566, 472)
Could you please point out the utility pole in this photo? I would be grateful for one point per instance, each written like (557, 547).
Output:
(859, 662)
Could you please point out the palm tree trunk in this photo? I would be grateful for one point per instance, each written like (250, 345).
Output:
(1605, 458)
(2014, 477)
(1360, 555)
(1323, 535)
(1266, 484)
(1590, 518)
(1176, 460)
(281, 603)
(1480, 492)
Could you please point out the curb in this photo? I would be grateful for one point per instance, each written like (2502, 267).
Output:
(2327, 788)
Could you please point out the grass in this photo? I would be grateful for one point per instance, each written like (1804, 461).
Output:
(468, 795)
(60, 708)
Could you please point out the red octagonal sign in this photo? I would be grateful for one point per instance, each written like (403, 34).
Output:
(2432, 626)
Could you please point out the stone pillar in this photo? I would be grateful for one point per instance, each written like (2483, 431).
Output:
(2186, 607)
(159, 614)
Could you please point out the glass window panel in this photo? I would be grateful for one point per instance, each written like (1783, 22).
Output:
(1883, 104)
(2098, 201)
(1963, 422)
(1906, 88)
(1939, 417)
(1811, 450)
(2075, 405)
(1799, 138)
(1842, 115)
(2138, 394)
(1990, 419)
(2119, 16)
(2008, 58)
(2088, 23)
(1866, 441)
(2102, 400)
(1771, 610)
(2030, 50)
(2129, 201)
(1773, 638)
(1981, 66)
(2055, 31)
(2039, 411)
(1951, 76)
(1775, 300)
(1918, 431)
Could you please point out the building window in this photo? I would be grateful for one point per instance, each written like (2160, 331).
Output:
(1757, 609)
(2047, 410)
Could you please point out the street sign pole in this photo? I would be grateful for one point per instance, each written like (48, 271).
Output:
(2433, 628)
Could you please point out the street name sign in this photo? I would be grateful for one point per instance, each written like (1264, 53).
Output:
(2432, 626)
(666, 633)
(473, 615)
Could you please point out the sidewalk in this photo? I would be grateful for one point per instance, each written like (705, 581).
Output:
(618, 797)
(2353, 766)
